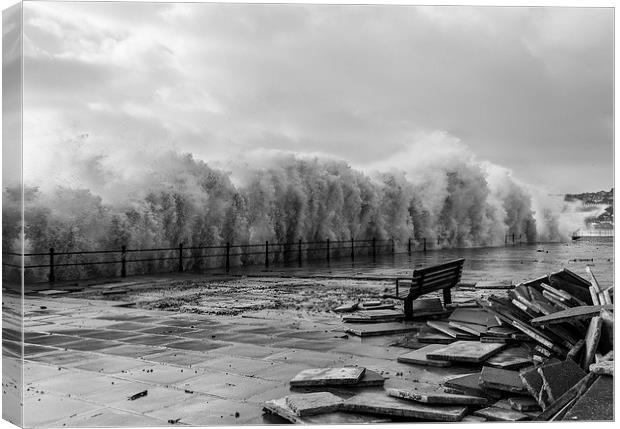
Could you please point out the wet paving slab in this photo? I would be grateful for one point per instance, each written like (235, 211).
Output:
(194, 368)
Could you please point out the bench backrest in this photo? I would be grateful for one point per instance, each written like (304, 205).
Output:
(437, 277)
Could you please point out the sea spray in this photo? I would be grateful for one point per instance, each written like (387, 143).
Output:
(453, 202)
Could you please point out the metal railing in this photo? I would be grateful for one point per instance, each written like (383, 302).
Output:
(55, 265)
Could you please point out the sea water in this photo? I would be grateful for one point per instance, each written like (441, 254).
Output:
(515, 263)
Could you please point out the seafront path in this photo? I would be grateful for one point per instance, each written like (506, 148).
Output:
(85, 358)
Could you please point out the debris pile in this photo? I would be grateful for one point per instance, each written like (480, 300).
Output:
(542, 351)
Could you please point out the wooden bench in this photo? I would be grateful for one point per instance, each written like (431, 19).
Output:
(429, 279)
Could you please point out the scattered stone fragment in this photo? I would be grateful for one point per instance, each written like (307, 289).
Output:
(313, 403)
(434, 337)
(469, 328)
(428, 307)
(467, 351)
(328, 376)
(501, 379)
(382, 404)
(473, 419)
(603, 368)
(368, 330)
(471, 315)
(418, 357)
(138, 395)
(558, 406)
(501, 414)
(435, 397)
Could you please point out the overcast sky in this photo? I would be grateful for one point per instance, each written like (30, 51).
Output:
(530, 89)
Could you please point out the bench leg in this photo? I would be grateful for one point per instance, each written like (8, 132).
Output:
(447, 296)
(408, 304)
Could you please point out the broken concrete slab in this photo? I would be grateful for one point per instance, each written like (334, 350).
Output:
(428, 307)
(346, 308)
(369, 330)
(522, 403)
(501, 414)
(328, 376)
(597, 403)
(445, 328)
(470, 328)
(418, 356)
(369, 379)
(603, 368)
(434, 337)
(559, 377)
(374, 316)
(470, 385)
(495, 284)
(571, 314)
(501, 379)
(435, 397)
(559, 405)
(511, 358)
(309, 404)
(382, 404)
(476, 316)
(467, 351)
(280, 408)
(593, 336)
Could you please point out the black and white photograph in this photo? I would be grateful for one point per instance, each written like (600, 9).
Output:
(223, 214)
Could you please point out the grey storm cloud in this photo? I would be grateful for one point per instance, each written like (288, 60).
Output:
(530, 89)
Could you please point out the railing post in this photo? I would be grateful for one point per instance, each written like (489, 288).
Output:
(327, 243)
(180, 257)
(409, 246)
(424, 244)
(123, 261)
(299, 252)
(513, 239)
(352, 249)
(267, 253)
(52, 276)
(227, 257)
(392, 243)
(374, 247)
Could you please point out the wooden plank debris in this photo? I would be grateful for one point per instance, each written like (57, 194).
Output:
(593, 335)
(328, 376)
(434, 397)
(467, 351)
(374, 329)
(382, 404)
(501, 379)
(419, 357)
(308, 404)
(574, 313)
